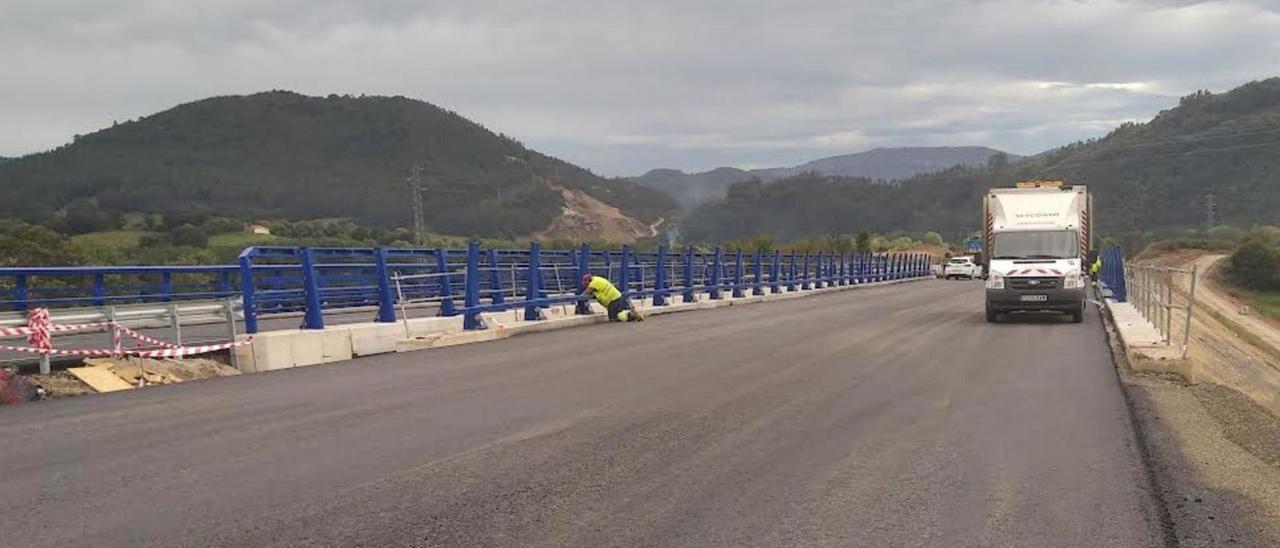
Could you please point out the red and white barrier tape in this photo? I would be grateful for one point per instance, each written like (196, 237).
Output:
(39, 332)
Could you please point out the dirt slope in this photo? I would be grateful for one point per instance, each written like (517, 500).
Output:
(585, 218)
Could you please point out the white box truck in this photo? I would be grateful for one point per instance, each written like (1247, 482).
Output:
(1037, 238)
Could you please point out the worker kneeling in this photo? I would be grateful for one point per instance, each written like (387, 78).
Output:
(619, 307)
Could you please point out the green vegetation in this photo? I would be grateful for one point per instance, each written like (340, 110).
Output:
(1150, 181)
(111, 239)
(1255, 265)
(281, 155)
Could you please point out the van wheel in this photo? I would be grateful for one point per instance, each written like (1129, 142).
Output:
(993, 316)
(1078, 315)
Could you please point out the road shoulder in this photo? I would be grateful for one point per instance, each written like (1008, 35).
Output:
(1212, 454)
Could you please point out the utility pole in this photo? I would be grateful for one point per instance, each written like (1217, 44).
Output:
(415, 197)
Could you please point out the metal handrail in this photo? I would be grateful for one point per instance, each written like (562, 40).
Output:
(1151, 291)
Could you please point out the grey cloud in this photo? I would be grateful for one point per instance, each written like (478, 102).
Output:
(624, 86)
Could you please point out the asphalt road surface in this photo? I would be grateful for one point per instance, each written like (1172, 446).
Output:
(893, 416)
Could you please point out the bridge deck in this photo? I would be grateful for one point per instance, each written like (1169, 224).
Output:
(889, 416)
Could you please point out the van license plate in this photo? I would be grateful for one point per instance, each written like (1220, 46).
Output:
(1033, 298)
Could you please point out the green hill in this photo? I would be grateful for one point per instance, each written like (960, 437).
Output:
(1147, 178)
(283, 155)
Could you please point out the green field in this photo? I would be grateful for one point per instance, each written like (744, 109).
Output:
(111, 239)
(1266, 303)
(243, 239)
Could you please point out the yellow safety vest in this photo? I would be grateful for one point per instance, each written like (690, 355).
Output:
(604, 291)
(1097, 265)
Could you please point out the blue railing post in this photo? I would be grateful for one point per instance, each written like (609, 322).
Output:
(791, 273)
(386, 297)
(533, 288)
(224, 283)
(844, 269)
(624, 280)
(738, 272)
(660, 278)
(713, 281)
(805, 280)
(821, 272)
(166, 286)
(246, 294)
(582, 307)
(313, 318)
(775, 271)
(447, 307)
(471, 294)
(495, 279)
(688, 276)
(99, 289)
(757, 272)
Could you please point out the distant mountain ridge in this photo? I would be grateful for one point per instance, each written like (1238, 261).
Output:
(878, 164)
(285, 155)
(1148, 179)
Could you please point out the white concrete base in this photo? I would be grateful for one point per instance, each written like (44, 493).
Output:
(301, 347)
(1144, 345)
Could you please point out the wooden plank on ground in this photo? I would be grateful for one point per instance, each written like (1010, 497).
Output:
(99, 378)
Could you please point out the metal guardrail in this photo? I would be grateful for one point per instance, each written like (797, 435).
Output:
(279, 281)
(1151, 290)
(173, 316)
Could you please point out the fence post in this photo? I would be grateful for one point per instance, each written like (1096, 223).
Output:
(224, 283)
(447, 306)
(738, 272)
(817, 271)
(386, 299)
(99, 288)
(495, 279)
(166, 286)
(660, 278)
(791, 272)
(624, 264)
(20, 291)
(775, 271)
(533, 288)
(471, 295)
(757, 288)
(246, 294)
(582, 307)
(713, 281)
(314, 316)
(804, 278)
(688, 276)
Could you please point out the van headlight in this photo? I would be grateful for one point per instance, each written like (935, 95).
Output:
(1073, 281)
(995, 281)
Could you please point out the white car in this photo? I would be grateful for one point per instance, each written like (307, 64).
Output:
(961, 267)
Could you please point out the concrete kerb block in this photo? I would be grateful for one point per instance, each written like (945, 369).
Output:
(1142, 346)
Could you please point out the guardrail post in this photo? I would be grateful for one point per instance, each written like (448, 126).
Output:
(805, 280)
(713, 281)
(688, 296)
(844, 269)
(660, 278)
(775, 270)
(246, 294)
(757, 288)
(314, 316)
(533, 289)
(738, 272)
(582, 307)
(20, 291)
(447, 306)
(99, 289)
(386, 298)
(166, 286)
(495, 279)
(471, 296)
(791, 271)
(625, 265)
(821, 270)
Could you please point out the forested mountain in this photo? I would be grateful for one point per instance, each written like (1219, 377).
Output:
(284, 155)
(879, 163)
(1148, 177)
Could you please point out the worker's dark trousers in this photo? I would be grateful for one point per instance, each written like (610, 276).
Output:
(618, 306)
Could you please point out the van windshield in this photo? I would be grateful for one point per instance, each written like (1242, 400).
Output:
(1040, 244)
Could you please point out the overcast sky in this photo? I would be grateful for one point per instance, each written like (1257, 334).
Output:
(621, 87)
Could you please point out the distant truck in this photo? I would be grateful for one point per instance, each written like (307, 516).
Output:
(1037, 238)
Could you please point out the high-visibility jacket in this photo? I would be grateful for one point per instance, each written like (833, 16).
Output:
(604, 291)
(1097, 265)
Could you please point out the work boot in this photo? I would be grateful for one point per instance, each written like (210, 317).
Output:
(636, 316)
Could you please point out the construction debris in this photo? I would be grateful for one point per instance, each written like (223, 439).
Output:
(111, 374)
(15, 390)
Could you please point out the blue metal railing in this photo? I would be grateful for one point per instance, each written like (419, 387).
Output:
(1112, 273)
(471, 281)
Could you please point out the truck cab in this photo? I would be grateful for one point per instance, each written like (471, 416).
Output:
(1037, 239)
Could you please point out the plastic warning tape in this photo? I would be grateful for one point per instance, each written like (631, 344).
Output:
(175, 352)
(53, 328)
(139, 336)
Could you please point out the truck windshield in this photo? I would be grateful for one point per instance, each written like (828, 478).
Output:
(1046, 244)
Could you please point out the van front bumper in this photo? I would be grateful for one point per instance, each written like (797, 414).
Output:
(1057, 300)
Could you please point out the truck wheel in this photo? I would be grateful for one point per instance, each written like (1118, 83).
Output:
(993, 316)
(1078, 315)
